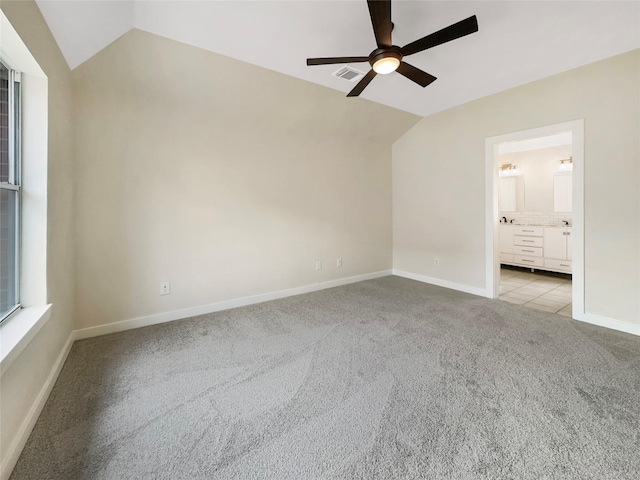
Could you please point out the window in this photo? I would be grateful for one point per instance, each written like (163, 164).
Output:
(9, 191)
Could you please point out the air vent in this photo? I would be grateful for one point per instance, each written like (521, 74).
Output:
(348, 73)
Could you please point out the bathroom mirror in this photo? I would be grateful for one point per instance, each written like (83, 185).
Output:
(563, 192)
(546, 191)
(511, 197)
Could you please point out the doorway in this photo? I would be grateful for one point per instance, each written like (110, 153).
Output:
(527, 277)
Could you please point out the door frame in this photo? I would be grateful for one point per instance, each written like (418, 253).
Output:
(576, 127)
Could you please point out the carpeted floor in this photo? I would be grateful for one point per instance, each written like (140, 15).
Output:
(384, 379)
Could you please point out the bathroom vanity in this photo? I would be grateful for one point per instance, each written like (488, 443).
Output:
(536, 246)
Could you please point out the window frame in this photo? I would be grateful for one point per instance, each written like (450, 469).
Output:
(15, 172)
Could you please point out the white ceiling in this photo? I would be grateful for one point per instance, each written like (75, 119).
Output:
(518, 41)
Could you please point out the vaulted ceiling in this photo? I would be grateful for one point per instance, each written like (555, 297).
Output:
(517, 42)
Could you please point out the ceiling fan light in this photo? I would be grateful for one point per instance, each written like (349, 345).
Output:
(386, 65)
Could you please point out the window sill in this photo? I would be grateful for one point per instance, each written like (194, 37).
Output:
(18, 330)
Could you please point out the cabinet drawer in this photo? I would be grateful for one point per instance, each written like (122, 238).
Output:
(529, 261)
(527, 251)
(527, 241)
(524, 230)
(558, 265)
(506, 257)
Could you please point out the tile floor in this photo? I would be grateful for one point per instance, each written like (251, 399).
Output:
(536, 290)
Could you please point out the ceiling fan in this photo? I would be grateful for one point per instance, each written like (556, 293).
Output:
(387, 57)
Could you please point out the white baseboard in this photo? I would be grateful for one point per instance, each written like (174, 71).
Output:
(620, 325)
(219, 306)
(627, 327)
(442, 283)
(15, 448)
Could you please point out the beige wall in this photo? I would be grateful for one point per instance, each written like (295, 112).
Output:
(224, 178)
(439, 180)
(28, 373)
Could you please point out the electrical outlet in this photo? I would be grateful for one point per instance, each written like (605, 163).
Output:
(165, 288)
(339, 263)
(318, 264)
(436, 262)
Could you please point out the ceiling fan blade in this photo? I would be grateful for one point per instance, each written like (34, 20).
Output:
(330, 60)
(415, 74)
(380, 11)
(362, 84)
(457, 30)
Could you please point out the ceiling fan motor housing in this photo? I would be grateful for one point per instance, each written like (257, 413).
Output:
(380, 53)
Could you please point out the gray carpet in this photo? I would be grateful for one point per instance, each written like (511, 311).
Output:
(384, 379)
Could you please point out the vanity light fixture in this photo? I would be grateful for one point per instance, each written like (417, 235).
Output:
(566, 165)
(508, 170)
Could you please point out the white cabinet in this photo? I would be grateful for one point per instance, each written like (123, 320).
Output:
(555, 243)
(527, 241)
(557, 249)
(528, 231)
(544, 248)
(506, 243)
(527, 261)
(528, 251)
